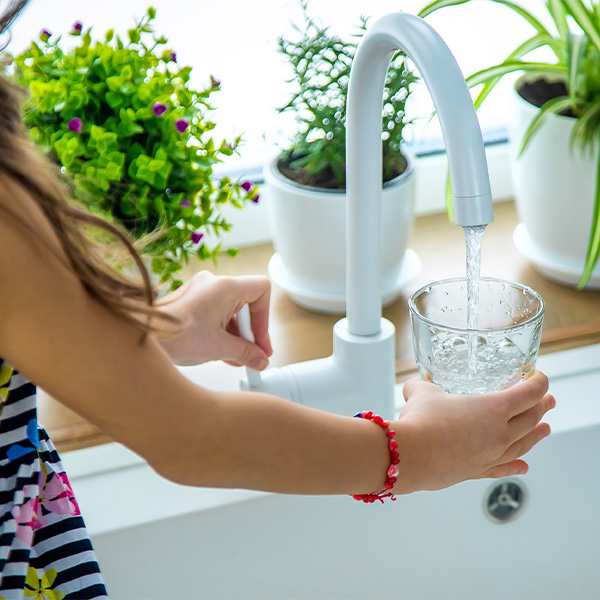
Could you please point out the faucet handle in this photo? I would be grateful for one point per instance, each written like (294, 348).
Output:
(245, 327)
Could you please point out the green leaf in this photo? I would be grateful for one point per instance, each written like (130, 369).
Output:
(522, 12)
(502, 69)
(114, 82)
(585, 18)
(434, 6)
(134, 151)
(114, 171)
(114, 99)
(134, 36)
(449, 201)
(537, 41)
(593, 250)
(587, 126)
(155, 165)
(554, 106)
(576, 51)
(165, 170)
(197, 221)
(559, 16)
(134, 129)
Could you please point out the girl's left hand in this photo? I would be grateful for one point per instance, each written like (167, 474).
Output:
(208, 306)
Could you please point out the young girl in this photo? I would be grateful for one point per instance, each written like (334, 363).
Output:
(99, 343)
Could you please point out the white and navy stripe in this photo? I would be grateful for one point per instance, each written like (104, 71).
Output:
(61, 542)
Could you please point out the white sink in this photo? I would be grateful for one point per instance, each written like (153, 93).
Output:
(155, 539)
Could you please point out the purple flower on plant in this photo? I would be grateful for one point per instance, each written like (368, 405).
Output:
(181, 125)
(196, 236)
(75, 125)
(248, 186)
(77, 27)
(214, 83)
(173, 56)
(44, 35)
(159, 108)
(186, 203)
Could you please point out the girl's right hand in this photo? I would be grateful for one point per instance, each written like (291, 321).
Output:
(444, 439)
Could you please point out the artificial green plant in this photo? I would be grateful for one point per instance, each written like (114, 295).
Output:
(124, 124)
(574, 39)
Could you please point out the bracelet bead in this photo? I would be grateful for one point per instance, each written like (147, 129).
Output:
(392, 471)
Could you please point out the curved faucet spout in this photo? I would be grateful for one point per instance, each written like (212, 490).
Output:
(462, 137)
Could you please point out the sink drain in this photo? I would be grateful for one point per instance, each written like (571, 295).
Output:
(505, 501)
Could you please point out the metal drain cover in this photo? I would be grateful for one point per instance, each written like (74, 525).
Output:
(505, 501)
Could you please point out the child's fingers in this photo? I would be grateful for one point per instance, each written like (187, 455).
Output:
(526, 421)
(257, 291)
(260, 328)
(515, 467)
(526, 443)
(525, 395)
(414, 385)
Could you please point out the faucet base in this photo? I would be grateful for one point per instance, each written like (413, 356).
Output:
(359, 375)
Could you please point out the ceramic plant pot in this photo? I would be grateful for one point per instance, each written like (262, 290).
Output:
(308, 227)
(554, 192)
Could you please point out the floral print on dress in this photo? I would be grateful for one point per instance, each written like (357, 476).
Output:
(40, 588)
(18, 450)
(5, 375)
(56, 494)
(28, 518)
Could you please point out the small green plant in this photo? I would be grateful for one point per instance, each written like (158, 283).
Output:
(122, 121)
(320, 64)
(574, 39)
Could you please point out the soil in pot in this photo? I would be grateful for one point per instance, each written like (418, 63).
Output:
(326, 178)
(539, 91)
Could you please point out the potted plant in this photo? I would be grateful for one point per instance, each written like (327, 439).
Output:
(133, 138)
(306, 181)
(554, 138)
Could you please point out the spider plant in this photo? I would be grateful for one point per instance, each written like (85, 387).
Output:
(574, 39)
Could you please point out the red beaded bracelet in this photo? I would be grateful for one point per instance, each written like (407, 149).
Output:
(392, 471)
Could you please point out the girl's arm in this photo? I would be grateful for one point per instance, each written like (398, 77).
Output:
(66, 342)
(90, 360)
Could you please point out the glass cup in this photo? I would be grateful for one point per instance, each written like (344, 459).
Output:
(499, 353)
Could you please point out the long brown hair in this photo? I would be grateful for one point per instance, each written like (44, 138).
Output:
(19, 159)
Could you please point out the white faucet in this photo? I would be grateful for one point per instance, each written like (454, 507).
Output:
(360, 374)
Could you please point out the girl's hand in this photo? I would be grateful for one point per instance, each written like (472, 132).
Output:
(208, 305)
(444, 439)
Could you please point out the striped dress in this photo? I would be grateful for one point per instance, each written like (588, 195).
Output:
(45, 551)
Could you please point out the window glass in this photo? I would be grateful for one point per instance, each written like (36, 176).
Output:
(235, 42)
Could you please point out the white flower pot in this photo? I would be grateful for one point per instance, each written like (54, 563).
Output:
(308, 227)
(554, 193)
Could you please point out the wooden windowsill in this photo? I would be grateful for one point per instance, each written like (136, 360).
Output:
(572, 318)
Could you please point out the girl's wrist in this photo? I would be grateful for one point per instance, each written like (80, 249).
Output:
(405, 480)
(393, 461)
